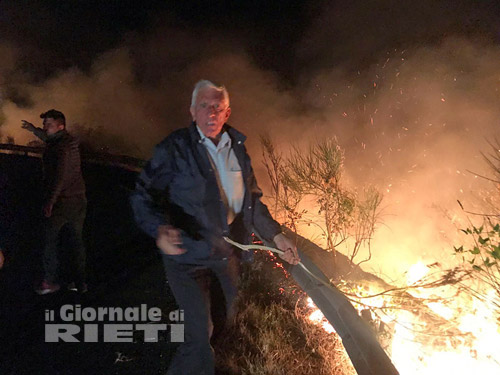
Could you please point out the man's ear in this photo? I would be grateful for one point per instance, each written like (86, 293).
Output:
(228, 113)
(191, 110)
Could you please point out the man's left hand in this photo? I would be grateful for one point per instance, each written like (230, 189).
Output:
(288, 247)
(28, 126)
(47, 210)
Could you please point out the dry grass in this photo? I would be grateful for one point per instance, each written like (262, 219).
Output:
(272, 333)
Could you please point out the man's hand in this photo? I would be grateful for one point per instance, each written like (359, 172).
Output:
(290, 250)
(27, 125)
(169, 239)
(47, 210)
(2, 259)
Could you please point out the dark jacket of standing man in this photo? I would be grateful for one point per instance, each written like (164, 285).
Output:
(64, 202)
(198, 187)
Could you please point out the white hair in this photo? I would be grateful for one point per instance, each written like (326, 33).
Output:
(207, 84)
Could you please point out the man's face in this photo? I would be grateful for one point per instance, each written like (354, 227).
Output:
(210, 111)
(51, 126)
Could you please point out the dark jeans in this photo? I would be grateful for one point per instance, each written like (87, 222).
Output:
(68, 216)
(207, 295)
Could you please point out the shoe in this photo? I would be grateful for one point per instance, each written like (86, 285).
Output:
(80, 288)
(46, 287)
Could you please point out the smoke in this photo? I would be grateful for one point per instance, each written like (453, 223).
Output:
(411, 93)
(140, 91)
(414, 125)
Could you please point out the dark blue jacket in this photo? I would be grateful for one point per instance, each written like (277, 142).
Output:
(178, 187)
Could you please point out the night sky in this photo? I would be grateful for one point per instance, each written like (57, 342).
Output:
(55, 35)
(290, 38)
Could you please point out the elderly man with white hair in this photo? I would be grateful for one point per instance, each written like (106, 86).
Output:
(198, 187)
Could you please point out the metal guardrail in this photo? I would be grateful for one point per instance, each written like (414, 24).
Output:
(366, 354)
(26, 150)
(104, 158)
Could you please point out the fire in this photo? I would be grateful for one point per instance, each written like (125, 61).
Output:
(431, 330)
(416, 272)
(465, 340)
(318, 318)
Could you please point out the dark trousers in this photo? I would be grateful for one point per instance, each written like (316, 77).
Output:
(67, 218)
(207, 295)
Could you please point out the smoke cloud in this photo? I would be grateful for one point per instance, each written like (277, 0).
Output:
(414, 125)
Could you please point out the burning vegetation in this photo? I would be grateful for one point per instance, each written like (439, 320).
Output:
(273, 332)
(435, 320)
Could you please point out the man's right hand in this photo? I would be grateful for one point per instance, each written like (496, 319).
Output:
(47, 210)
(27, 125)
(169, 239)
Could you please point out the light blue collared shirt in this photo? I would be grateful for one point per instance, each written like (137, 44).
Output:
(229, 174)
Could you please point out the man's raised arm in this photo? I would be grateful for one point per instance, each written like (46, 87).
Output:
(33, 129)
